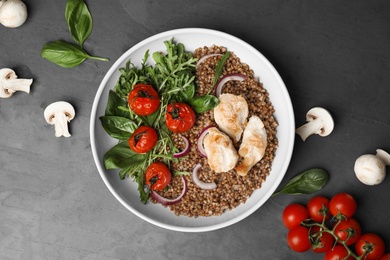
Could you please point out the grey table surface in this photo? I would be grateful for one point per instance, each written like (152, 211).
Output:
(54, 204)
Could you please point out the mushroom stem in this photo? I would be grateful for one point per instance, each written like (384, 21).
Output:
(384, 156)
(312, 127)
(13, 85)
(61, 125)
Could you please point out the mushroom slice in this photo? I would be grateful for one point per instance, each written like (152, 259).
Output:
(254, 142)
(9, 83)
(319, 121)
(231, 114)
(221, 154)
(59, 113)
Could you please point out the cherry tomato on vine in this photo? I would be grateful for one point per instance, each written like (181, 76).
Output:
(298, 239)
(143, 100)
(386, 257)
(343, 203)
(348, 230)
(293, 215)
(337, 253)
(318, 208)
(158, 176)
(179, 117)
(143, 139)
(320, 241)
(371, 245)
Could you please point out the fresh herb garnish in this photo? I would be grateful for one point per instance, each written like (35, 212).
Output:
(219, 67)
(79, 22)
(173, 76)
(306, 183)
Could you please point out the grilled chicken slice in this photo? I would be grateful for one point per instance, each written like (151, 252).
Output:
(254, 142)
(231, 115)
(221, 154)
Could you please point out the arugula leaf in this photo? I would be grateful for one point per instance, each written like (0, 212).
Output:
(219, 67)
(121, 157)
(79, 20)
(66, 54)
(118, 127)
(306, 183)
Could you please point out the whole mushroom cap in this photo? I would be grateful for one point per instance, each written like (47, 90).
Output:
(369, 169)
(13, 13)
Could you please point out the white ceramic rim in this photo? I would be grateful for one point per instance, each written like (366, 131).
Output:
(289, 139)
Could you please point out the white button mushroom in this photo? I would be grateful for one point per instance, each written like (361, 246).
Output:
(9, 83)
(60, 113)
(13, 13)
(371, 169)
(319, 121)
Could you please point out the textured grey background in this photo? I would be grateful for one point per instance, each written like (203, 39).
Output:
(53, 203)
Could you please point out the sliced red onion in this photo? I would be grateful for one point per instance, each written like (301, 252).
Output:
(165, 201)
(226, 78)
(199, 183)
(201, 137)
(206, 57)
(186, 149)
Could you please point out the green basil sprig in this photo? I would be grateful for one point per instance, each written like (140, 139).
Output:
(306, 183)
(67, 54)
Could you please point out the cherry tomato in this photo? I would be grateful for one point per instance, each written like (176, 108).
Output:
(386, 257)
(337, 253)
(371, 245)
(298, 239)
(321, 241)
(348, 230)
(158, 176)
(179, 117)
(344, 204)
(318, 208)
(143, 99)
(293, 215)
(143, 139)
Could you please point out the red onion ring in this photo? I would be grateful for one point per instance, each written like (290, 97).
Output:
(225, 79)
(186, 149)
(164, 201)
(199, 183)
(201, 136)
(206, 57)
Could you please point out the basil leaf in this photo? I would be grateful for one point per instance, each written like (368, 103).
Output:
(306, 183)
(204, 103)
(118, 127)
(79, 20)
(64, 54)
(113, 104)
(121, 156)
(219, 67)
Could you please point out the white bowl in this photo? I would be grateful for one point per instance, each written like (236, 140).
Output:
(126, 190)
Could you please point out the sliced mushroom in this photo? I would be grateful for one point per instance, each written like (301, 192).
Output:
(371, 169)
(319, 121)
(9, 83)
(60, 113)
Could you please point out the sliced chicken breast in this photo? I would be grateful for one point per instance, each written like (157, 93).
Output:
(252, 148)
(231, 115)
(221, 154)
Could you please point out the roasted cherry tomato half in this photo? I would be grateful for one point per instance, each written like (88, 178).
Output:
(298, 239)
(143, 100)
(179, 117)
(344, 204)
(143, 139)
(158, 176)
(348, 230)
(293, 215)
(371, 245)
